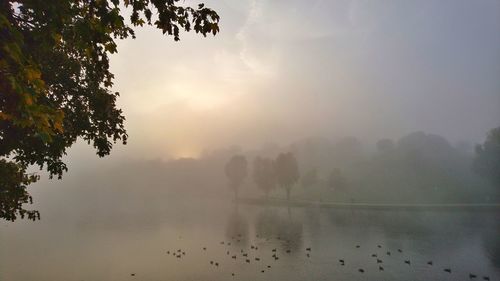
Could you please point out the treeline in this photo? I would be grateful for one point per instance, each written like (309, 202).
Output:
(267, 173)
(418, 167)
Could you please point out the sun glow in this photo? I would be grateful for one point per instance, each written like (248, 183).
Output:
(186, 152)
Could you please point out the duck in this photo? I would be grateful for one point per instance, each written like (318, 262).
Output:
(247, 260)
(471, 276)
(447, 270)
(379, 261)
(407, 262)
(308, 249)
(399, 250)
(361, 270)
(429, 263)
(388, 253)
(374, 255)
(380, 268)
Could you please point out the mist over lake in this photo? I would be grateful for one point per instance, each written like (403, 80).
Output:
(249, 140)
(102, 243)
(169, 220)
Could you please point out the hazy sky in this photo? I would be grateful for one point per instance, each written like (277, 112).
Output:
(283, 70)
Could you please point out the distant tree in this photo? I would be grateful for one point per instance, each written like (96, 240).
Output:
(487, 162)
(236, 172)
(264, 174)
(287, 171)
(336, 180)
(386, 145)
(55, 81)
(310, 178)
(349, 149)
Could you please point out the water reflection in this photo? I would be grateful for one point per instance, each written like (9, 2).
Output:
(286, 230)
(465, 242)
(491, 245)
(237, 228)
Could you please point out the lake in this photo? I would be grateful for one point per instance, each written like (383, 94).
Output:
(252, 243)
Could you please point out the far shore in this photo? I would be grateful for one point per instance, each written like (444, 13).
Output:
(271, 201)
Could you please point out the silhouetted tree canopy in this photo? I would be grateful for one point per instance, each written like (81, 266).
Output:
(336, 179)
(55, 83)
(385, 145)
(264, 174)
(13, 191)
(309, 178)
(487, 162)
(287, 171)
(236, 172)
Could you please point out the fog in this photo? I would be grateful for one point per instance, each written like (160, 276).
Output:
(281, 71)
(381, 104)
(325, 80)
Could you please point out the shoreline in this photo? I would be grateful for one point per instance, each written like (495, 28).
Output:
(365, 205)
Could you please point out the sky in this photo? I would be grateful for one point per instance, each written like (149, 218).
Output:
(280, 71)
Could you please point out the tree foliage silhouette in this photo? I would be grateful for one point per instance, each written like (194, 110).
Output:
(55, 83)
(264, 174)
(336, 179)
(236, 172)
(287, 171)
(487, 162)
(309, 178)
(14, 194)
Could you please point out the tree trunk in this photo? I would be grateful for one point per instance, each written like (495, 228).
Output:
(287, 193)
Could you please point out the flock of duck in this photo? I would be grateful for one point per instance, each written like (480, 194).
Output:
(408, 262)
(274, 254)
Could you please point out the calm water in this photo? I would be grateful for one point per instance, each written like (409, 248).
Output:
(115, 246)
